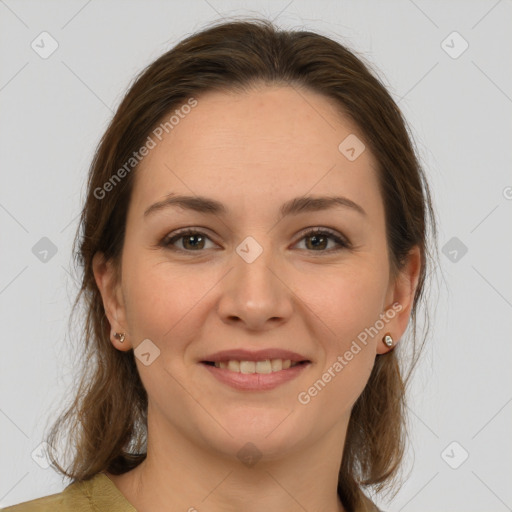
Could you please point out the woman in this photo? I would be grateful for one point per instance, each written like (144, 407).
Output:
(254, 245)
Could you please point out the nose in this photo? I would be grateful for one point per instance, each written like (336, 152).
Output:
(256, 293)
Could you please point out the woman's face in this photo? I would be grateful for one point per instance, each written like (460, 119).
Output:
(252, 279)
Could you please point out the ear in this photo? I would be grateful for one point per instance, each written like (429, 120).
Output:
(113, 301)
(400, 298)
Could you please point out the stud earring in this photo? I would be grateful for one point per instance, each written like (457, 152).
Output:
(388, 340)
(119, 336)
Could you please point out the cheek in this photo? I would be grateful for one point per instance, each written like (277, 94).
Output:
(344, 307)
(345, 302)
(347, 305)
(159, 297)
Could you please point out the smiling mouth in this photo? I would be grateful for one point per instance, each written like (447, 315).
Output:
(261, 367)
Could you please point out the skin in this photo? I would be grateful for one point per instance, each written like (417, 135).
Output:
(251, 151)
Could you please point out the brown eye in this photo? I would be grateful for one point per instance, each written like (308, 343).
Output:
(190, 241)
(319, 240)
(193, 241)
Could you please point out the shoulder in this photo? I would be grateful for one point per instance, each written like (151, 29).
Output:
(97, 494)
(64, 501)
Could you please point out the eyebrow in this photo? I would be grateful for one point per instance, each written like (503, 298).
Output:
(294, 206)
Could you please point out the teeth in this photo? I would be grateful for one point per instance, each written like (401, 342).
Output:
(266, 366)
(263, 366)
(276, 364)
(247, 367)
(234, 366)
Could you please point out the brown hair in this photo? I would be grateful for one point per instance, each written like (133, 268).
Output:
(107, 415)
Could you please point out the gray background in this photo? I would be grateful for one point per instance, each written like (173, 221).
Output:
(54, 110)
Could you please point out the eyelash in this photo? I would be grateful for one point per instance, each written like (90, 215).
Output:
(342, 243)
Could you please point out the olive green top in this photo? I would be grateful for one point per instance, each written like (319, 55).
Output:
(99, 494)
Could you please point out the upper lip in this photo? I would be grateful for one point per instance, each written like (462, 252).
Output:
(256, 355)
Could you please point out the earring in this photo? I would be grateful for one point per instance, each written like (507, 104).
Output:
(388, 340)
(119, 336)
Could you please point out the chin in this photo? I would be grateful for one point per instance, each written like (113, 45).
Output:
(258, 431)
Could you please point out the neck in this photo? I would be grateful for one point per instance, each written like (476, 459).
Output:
(179, 475)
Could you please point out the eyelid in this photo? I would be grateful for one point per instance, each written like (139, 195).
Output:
(324, 230)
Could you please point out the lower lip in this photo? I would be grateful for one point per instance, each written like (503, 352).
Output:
(255, 381)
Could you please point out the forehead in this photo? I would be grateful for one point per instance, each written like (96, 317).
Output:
(271, 142)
